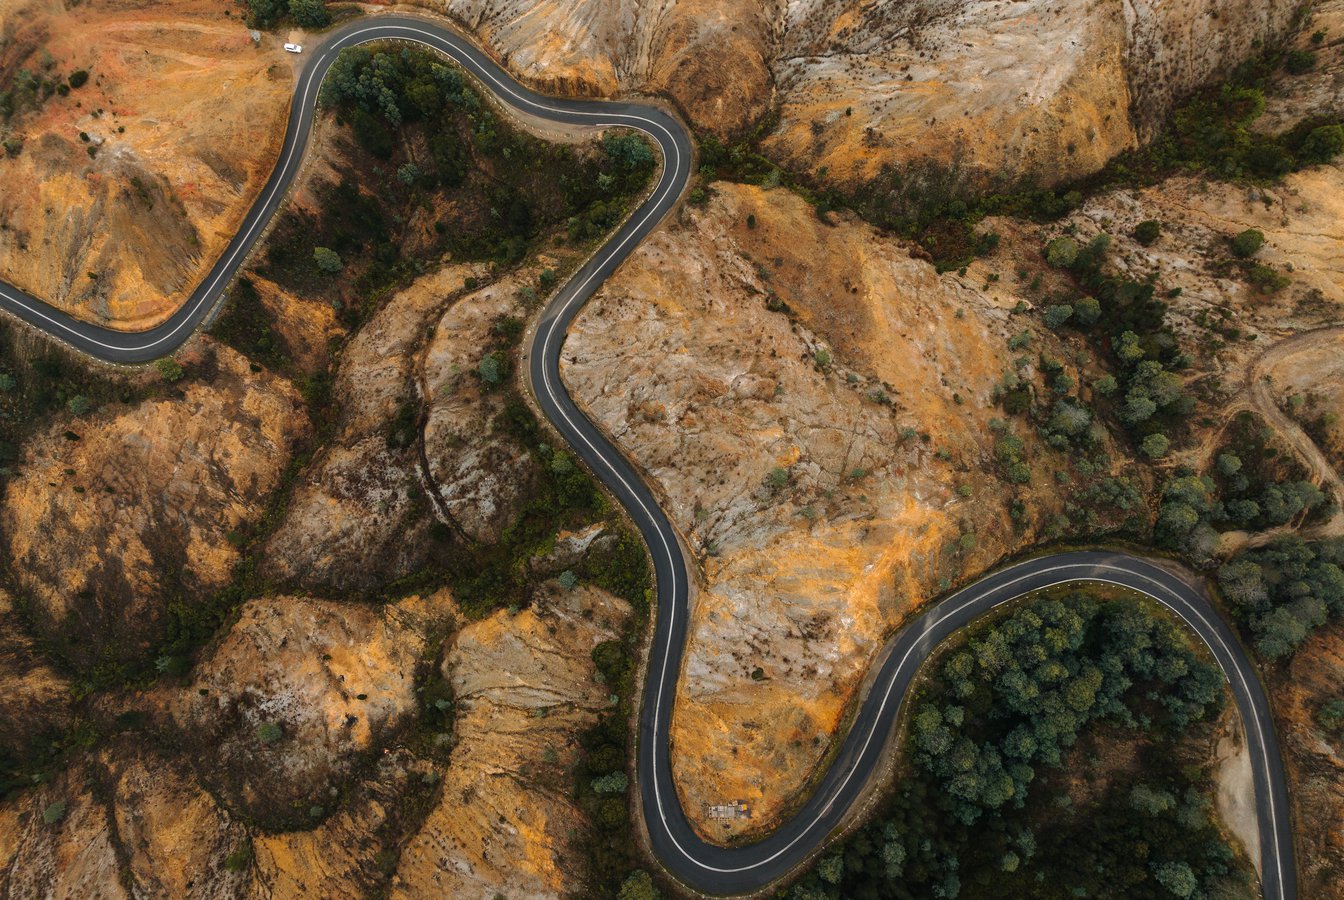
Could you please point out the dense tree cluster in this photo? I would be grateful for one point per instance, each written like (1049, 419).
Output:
(306, 13)
(1250, 486)
(1006, 709)
(435, 171)
(1285, 591)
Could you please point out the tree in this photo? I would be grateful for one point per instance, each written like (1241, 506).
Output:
(1087, 311)
(1057, 314)
(1322, 144)
(1062, 252)
(491, 369)
(1147, 232)
(310, 13)
(78, 78)
(170, 370)
(1155, 446)
(408, 174)
(79, 405)
(269, 732)
(613, 783)
(1177, 877)
(627, 151)
(1299, 62)
(1248, 243)
(328, 261)
(1229, 464)
(7, 383)
(638, 886)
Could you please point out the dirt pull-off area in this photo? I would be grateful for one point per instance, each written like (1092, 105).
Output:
(121, 192)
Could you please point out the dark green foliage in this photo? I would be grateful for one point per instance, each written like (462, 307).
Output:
(505, 188)
(305, 13)
(627, 152)
(310, 13)
(247, 326)
(1285, 591)
(1248, 243)
(1299, 62)
(1000, 718)
(79, 78)
(1322, 144)
(1147, 232)
(1251, 486)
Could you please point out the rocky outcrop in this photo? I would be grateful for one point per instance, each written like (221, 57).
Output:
(124, 823)
(504, 822)
(963, 84)
(1315, 758)
(127, 190)
(812, 405)
(415, 443)
(294, 696)
(114, 517)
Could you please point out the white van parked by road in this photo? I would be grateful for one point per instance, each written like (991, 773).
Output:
(294, 48)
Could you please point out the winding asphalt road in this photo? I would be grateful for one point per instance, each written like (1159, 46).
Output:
(701, 866)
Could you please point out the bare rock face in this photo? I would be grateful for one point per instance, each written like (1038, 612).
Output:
(107, 529)
(293, 697)
(860, 86)
(415, 442)
(352, 852)
(1315, 758)
(481, 474)
(832, 466)
(524, 686)
(175, 837)
(127, 190)
(351, 524)
(124, 823)
(58, 842)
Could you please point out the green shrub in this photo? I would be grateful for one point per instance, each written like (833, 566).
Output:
(170, 370)
(1062, 252)
(269, 732)
(1087, 311)
(1147, 233)
(1155, 446)
(639, 886)
(327, 261)
(1299, 62)
(240, 857)
(491, 369)
(1322, 144)
(1248, 243)
(1058, 314)
(79, 78)
(1266, 280)
(310, 13)
(613, 783)
(54, 813)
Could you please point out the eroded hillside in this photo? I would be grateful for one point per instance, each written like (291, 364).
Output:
(369, 607)
(1025, 89)
(121, 192)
